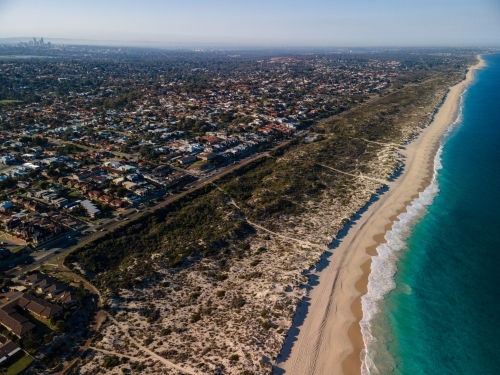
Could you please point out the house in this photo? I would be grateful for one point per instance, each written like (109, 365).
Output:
(63, 180)
(95, 194)
(40, 193)
(44, 284)
(7, 160)
(8, 348)
(66, 297)
(133, 177)
(5, 206)
(162, 170)
(206, 156)
(92, 211)
(98, 179)
(142, 192)
(81, 176)
(176, 177)
(38, 233)
(187, 160)
(55, 289)
(106, 199)
(34, 278)
(13, 321)
(117, 203)
(60, 202)
(210, 139)
(37, 306)
(129, 185)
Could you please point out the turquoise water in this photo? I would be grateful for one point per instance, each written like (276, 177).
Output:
(442, 313)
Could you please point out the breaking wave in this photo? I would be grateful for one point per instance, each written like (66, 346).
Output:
(383, 267)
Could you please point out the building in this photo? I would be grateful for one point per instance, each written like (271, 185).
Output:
(7, 160)
(13, 321)
(67, 297)
(60, 202)
(8, 348)
(92, 211)
(37, 306)
(187, 160)
(5, 206)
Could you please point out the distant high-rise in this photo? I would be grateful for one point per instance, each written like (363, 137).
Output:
(34, 41)
(41, 41)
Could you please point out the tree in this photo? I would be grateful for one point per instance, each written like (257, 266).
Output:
(81, 293)
(110, 362)
(31, 342)
(61, 326)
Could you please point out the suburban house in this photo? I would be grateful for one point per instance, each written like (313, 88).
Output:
(8, 348)
(16, 323)
(13, 321)
(92, 211)
(188, 160)
(5, 206)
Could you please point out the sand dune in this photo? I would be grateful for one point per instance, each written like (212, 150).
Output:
(328, 337)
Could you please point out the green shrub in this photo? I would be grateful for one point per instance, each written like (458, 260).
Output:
(220, 293)
(110, 362)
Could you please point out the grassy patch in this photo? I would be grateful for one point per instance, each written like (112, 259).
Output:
(75, 194)
(42, 325)
(10, 101)
(17, 249)
(201, 166)
(20, 365)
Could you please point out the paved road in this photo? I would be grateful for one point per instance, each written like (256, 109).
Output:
(68, 246)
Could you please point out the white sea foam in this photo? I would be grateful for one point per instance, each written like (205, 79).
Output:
(383, 267)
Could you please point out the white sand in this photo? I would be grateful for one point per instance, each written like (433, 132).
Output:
(329, 339)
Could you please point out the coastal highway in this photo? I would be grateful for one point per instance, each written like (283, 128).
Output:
(77, 240)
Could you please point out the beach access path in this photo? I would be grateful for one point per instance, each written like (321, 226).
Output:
(326, 336)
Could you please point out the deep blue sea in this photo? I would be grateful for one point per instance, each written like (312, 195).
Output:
(440, 312)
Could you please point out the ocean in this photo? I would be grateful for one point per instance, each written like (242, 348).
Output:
(438, 284)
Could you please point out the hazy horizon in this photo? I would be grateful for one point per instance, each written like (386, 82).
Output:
(319, 23)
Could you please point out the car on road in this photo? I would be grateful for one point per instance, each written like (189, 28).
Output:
(104, 229)
(56, 252)
(127, 218)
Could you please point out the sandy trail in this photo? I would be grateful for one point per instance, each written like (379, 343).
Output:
(326, 337)
(125, 329)
(383, 182)
(118, 354)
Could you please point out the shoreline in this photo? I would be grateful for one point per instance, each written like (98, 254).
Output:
(330, 339)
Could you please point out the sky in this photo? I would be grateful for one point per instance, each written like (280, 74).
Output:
(301, 23)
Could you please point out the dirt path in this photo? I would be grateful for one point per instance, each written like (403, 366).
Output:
(383, 182)
(118, 354)
(303, 243)
(125, 330)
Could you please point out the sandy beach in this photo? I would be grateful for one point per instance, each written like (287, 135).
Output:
(327, 334)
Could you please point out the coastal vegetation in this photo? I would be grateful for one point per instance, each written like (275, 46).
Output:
(212, 280)
(205, 223)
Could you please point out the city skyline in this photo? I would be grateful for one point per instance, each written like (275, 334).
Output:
(279, 23)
